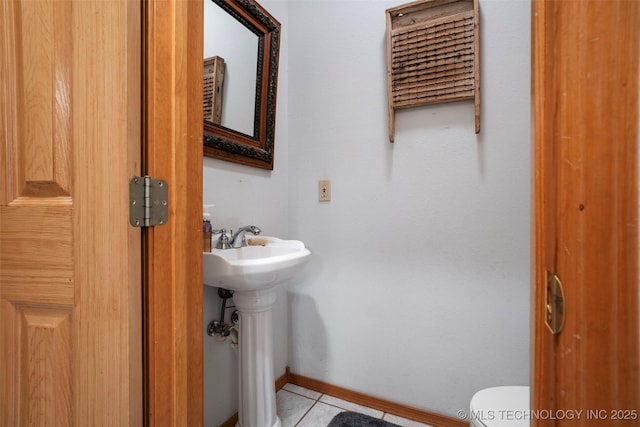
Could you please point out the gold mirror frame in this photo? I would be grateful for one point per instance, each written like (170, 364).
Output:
(258, 149)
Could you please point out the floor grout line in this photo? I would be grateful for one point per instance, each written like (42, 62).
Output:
(302, 395)
(306, 413)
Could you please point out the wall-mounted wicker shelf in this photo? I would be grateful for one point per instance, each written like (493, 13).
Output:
(433, 55)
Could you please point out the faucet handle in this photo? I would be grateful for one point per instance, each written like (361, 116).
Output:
(223, 240)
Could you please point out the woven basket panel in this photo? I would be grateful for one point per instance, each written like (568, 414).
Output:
(433, 62)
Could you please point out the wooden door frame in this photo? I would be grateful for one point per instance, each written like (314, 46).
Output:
(585, 90)
(173, 273)
(173, 253)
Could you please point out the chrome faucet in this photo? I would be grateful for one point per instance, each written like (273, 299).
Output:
(238, 239)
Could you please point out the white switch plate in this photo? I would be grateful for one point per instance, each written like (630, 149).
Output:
(324, 190)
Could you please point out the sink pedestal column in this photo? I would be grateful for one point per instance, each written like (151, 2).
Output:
(255, 355)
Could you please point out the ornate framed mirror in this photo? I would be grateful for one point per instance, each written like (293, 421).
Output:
(251, 38)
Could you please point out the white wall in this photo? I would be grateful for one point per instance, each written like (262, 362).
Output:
(243, 196)
(418, 290)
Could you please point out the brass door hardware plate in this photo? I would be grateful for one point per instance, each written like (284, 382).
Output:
(554, 306)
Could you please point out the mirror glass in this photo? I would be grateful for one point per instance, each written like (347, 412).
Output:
(240, 66)
(241, 53)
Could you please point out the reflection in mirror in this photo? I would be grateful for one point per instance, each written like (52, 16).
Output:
(241, 64)
(247, 38)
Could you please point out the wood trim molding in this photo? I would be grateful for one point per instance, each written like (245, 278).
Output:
(398, 409)
(415, 414)
(231, 422)
(173, 263)
(283, 379)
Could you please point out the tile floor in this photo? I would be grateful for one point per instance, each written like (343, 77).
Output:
(301, 407)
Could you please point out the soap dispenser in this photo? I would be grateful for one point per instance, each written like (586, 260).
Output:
(206, 228)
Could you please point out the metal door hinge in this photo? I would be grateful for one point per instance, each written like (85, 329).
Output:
(147, 201)
(554, 304)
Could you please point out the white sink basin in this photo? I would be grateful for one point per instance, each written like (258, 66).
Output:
(254, 267)
(252, 272)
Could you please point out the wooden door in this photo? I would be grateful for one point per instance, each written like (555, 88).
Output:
(586, 56)
(173, 274)
(70, 264)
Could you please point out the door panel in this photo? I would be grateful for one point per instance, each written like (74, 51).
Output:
(45, 232)
(70, 266)
(38, 53)
(586, 94)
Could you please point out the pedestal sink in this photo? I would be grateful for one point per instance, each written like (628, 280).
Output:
(252, 272)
